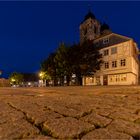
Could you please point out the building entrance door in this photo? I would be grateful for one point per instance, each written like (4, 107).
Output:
(105, 80)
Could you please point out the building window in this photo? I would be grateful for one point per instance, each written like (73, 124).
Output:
(118, 78)
(114, 64)
(123, 62)
(123, 77)
(106, 52)
(98, 82)
(105, 40)
(111, 80)
(106, 65)
(114, 50)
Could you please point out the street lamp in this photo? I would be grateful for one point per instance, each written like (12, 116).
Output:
(13, 80)
(42, 76)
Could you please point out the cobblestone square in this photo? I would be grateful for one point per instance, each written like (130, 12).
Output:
(86, 113)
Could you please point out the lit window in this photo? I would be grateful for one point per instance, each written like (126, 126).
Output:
(123, 77)
(123, 62)
(105, 40)
(111, 80)
(106, 65)
(114, 64)
(106, 52)
(114, 50)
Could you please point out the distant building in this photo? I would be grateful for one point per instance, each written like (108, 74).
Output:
(4, 82)
(30, 80)
(120, 54)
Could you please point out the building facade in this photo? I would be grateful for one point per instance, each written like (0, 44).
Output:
(119, 54)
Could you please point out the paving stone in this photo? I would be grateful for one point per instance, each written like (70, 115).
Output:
(70, 113)
(66, 127)
(39, 137)
(96, 119)
(17, 130)
(8, 114)
(127, 127)
(39, 117)
(64, 110)
(104, 111)
(102, 134)
(35, 113)
(122, 114)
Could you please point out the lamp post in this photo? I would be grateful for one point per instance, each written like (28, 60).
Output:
(42, 77)
(13, 81)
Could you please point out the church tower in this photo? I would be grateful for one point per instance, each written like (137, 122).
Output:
(89, 28)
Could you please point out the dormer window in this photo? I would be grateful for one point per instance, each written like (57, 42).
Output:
(105, 40)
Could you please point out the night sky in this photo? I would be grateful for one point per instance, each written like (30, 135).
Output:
(29, 31)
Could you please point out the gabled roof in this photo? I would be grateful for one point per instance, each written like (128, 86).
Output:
(113, 39)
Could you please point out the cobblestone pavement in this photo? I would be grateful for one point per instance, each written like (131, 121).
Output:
(83, 113)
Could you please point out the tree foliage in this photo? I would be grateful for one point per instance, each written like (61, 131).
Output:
(61, 62)
(44, 75)
(16, 78)
(89, 59)
(78, 59)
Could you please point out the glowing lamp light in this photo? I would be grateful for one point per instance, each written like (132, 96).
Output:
(13, 80)
(41, 74)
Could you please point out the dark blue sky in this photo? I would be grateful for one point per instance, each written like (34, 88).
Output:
(29, 31)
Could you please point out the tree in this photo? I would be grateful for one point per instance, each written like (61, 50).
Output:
(84, 59)
(57, 65)
(74, 57)
(78, 59)
(16, 78)
(62, 65)
(91, 59)
(44, 75)
(49, 65)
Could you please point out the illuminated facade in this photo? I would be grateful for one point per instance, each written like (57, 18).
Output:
(119, 53)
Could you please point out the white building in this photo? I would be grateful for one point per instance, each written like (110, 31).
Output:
(119, 53)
